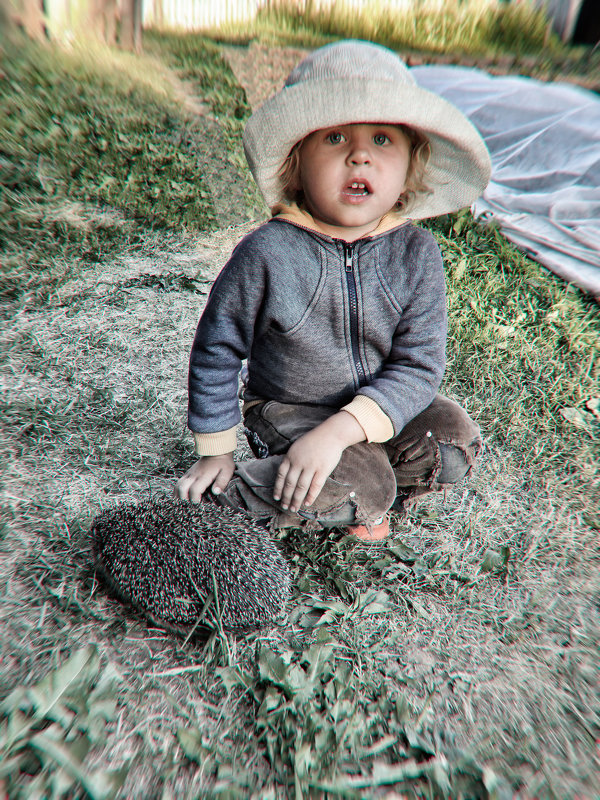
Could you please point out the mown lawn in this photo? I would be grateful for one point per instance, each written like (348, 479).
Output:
(459, 659)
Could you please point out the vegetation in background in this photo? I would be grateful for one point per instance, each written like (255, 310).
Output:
(199, 61)
(504, 36)
(523, 353)
(463, 26)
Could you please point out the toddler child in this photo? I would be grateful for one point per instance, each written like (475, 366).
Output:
(338, 303)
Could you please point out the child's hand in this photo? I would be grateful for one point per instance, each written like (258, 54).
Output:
(215, 471)
(312, 458)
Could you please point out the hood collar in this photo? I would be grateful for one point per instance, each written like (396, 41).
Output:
(297, 215)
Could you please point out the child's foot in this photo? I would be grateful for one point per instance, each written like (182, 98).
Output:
(375, 532)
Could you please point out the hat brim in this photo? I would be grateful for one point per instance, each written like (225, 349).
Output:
(457, 172)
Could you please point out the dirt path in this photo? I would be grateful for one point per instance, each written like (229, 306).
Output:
(262, 70)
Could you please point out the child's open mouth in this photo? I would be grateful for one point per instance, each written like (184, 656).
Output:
(356, 190)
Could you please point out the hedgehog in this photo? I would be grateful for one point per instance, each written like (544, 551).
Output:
(183, 564)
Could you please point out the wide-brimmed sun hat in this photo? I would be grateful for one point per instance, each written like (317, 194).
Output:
(354, 81)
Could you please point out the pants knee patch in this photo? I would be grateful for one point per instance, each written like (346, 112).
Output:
(455, 461)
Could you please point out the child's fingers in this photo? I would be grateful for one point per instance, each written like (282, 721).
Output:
(196, 491)
(182, 487)
(192, 486)
(315, 489)
(280, 479)
(301, 489)
(221, 481)
(215, 470)
(289, 486)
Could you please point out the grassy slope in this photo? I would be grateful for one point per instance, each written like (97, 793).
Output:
(94, 144)
(200, 62)
(520, 350)
(523, 353)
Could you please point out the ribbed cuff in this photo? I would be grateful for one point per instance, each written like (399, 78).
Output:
(215, 444)
(375, 422)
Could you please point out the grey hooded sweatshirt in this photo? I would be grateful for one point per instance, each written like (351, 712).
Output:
(322, 322)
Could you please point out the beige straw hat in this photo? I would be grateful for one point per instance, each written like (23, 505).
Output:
(356, 81)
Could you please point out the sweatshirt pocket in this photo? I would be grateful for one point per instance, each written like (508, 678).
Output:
(305, 308)
(395, 301)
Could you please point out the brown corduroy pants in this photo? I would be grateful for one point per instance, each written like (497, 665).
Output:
(436, 449)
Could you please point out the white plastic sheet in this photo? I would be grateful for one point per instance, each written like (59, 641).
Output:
(544, 140)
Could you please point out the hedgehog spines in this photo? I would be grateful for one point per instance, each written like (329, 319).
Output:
(165, 556)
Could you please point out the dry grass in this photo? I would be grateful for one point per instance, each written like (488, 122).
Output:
(463, 26)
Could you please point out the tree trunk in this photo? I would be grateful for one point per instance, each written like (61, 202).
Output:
(131, 25)
(33, 19)
(103, 14)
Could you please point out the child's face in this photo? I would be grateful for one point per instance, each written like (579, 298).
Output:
(352, 175)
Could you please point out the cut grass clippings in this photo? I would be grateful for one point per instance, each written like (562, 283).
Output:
(460, 658)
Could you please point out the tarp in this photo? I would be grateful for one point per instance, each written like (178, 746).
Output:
(544, 140)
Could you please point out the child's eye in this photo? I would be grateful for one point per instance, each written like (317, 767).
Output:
(381, 138)
(335, 138)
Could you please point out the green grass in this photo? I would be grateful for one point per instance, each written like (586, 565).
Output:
(199, 61)
(523, 354)
(49, 729)
(468, 640)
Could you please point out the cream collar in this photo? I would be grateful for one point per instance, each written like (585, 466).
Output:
(299, 216)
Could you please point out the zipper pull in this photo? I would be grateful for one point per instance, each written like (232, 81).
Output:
(348, 250)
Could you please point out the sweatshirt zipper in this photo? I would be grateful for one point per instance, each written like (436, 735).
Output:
(353, 305)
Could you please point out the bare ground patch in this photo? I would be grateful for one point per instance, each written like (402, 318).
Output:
(262, 70)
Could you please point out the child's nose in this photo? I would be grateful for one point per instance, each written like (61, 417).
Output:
(359, 155)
